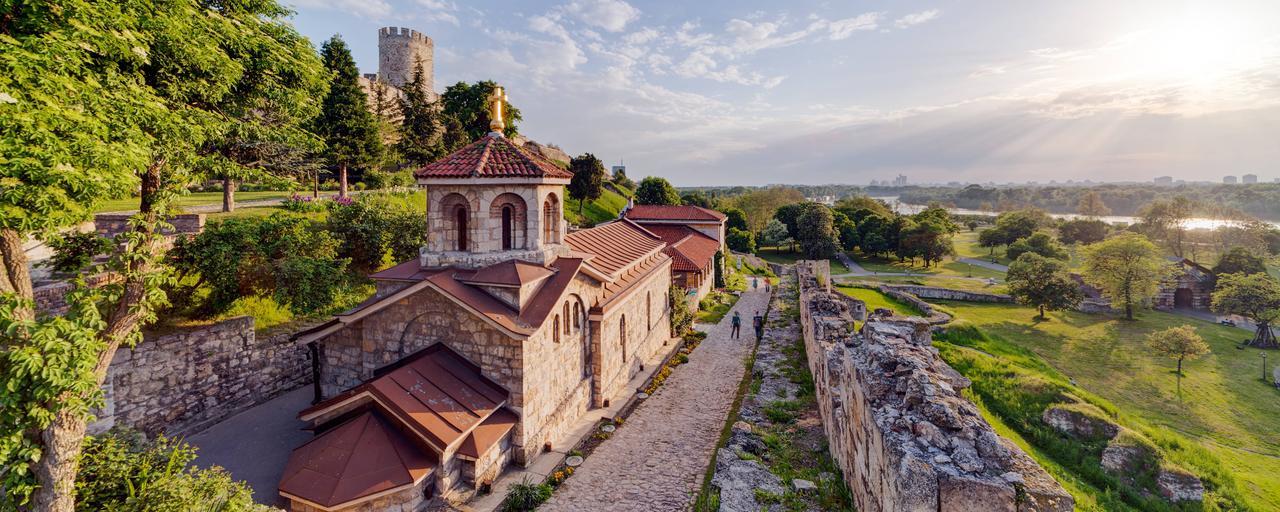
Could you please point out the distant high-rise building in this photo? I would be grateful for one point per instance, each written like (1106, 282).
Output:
(613, 171)
(1164, 180)
(1229, 180)
(1249, 179)
(900, 181)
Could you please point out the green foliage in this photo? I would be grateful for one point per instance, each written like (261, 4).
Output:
(466, 112)
(681, 318)
(1044, 283)
(740, 241)
(379, 180)
(1040, 244)
(1239, 260)
(1127, 268)
(345, 123)
(763, 204)
(927, 237)
(525, 496)
(123, 471)
(816, 232)
(588, 179)
(73, 250)
(774, 234)
(697, 198)
(422, 129)
(302, 204)
(859, 206)
(374, 225)
(1254, 296)
(620, 179)
(655, 190)
(1083, 231)
(1180, 343)
(735, 218)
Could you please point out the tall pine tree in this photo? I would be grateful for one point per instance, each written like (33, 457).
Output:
(345, 123)
(421, 129)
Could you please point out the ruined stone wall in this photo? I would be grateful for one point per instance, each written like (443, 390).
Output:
(934, 292)
(182, 382)
(897, 424)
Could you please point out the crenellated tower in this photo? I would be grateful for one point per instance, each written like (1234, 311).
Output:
(399, 51)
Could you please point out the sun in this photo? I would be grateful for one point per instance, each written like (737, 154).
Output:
(1200, 51)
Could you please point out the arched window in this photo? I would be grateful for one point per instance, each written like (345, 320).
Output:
(566, 317)
(508, 217)
(586, 355)
(555, 330)
(648, 310)
(460, 225)
(577, 316)
(622, 336)
(551, 220)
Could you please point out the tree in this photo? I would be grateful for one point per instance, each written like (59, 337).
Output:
(1253, 296)
(696, 198)
(620, 179)
(1167, 219)
(421, 127)
(655, 190)
(789, 214)
(588, 179)
(774, 234)
(466, 106)
(348, 128)
(1082, 231)
(972, 225)
(852, 204)
(1239, 261)
(874, 235)
(740, 241)
(1127, 268)
(1179, 343)
(1040, 243)
(1042, 282)
(816, 233)
(1092, 206)
(98, 98)
(846, 229)
(928, 239)
(992, 238)
(735, 218)
(760, 204)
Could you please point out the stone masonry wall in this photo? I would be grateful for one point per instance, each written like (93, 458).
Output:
(897, 424)
(182, 382)
(933, 292)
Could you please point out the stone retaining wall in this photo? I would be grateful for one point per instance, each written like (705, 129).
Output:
(182, 382)
(112, 224)
(897, 423)
(932, 316)
(51, 298)
(934, 292)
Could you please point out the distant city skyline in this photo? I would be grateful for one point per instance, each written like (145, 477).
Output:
(820, 92)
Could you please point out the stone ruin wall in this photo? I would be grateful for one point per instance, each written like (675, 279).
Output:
(185, 381)
(897, 424)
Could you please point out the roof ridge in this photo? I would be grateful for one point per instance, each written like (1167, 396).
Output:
(352, 453)
(484, 156)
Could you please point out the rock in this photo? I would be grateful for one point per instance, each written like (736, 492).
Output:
(1081, 421)
(1012, 477)
(741, 426)
(966, 494)
(738, 480)
(802, 485)
(928, 434)
(1179, 485)
(1124, 459)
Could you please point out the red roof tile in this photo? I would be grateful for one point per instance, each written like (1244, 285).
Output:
(692, 251)
(663, 212)
(365, 455)
(492, 157)
(616, 245)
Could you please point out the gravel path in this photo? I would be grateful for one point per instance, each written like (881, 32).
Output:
(984, 264)
(657, 459)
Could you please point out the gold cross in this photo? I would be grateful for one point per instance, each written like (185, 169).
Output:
(495, 110)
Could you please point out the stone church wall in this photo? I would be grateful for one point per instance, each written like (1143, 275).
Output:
(184, 381)
(648, 333)
(896, 421)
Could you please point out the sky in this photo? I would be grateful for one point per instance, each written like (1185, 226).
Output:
(747, 92)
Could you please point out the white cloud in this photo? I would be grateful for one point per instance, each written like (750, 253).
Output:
(611, 15)
(842, 29)
(373, 9)
(439, 10)
(917, 18)
(641, 36)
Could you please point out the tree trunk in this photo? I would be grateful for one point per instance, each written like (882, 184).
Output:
(1042, 312)
(16, 274)
(342, 181)
(228, 195)
(63, 438)
(1179, 366)
(1263, 337)
(315, 186)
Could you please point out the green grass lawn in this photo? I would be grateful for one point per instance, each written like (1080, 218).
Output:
(875, 299)
(947, 267)
(784, 256)
(1224, 404)
(193, 199)
(956, 283)
(604, 208)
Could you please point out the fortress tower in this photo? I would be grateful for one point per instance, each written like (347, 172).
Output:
(399, 51)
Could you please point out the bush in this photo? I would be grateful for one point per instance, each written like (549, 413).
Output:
(73, 251)
(525, 496)
(302, 204)
(741, 241)
(383, 180)
(377, 224)
(681, 318)
(122, 470)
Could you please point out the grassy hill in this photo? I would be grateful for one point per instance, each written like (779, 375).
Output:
(602, 209)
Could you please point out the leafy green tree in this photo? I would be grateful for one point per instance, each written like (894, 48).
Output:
(348, 128)
(1127, 268)
(1179, 343)
(1083, 231)
(696, 198)
(1091, 205)
(928, 239)
(588, 179)
(972, 225)
(374, 226)
(761, 204)
(1042, 282)
(1253, 296)
(97, 98)
(847, 230)
(735, 218)
(1166, 220)
(1039, 243)
(774, 234)
(655, 190)
(1239, 261)
(789, 214)
(74, 251)
(468, 104)
(681, 317)
(851, 206)
(421, 127)
(817, 233)
(740, 240)
(991, 238)
(620, 179)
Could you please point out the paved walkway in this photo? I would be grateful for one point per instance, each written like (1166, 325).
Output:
(657, 460)
(984, 264)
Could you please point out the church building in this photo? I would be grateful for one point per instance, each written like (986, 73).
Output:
(485, 350)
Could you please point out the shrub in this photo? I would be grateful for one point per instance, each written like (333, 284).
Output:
(302, 204)
(74, 251)
(384, 180)
(525, 496)
(377, 224)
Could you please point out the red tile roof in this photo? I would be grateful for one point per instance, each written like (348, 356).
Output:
(492, 157)
(365, 455)
(663, 212)
(690, 249)
(435, 393)
(507, 273)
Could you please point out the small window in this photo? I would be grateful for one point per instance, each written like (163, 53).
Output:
(622, 336)
(566, 318)
(555, 329)
(577, 316)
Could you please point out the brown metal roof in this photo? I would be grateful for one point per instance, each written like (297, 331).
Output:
(364, 456)
(488, 433)
(507, 273)
(616, 245)
(665, 212)
(492, 157)
(691, 252)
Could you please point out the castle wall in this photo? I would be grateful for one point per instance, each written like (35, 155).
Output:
(399, 51)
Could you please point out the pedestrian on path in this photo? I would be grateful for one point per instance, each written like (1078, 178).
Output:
(755, 283)
(766, 285)
(737, 325)
(758, 323)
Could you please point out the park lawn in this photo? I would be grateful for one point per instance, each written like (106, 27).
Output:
(1225, 405)
(966, 244)
(955, 283)
(601, 209)
(949, 267)
(783, 256)
(875, 299)
(192, 199)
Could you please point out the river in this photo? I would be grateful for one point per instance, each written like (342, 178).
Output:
(1194, 223)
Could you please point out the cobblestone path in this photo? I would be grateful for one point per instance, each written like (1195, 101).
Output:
(657, 459)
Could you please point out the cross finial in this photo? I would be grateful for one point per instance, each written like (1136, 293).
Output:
(496, 126)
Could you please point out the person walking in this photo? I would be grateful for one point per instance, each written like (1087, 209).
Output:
(755, 283)
(736, 322)
(758, 323)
